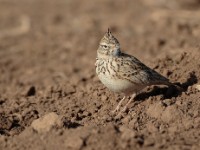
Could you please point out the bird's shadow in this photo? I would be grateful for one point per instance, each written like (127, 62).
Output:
(169, 92)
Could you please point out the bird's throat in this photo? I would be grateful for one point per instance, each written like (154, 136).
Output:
(101, 55)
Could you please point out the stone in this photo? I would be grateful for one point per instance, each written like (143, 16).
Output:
(46, 123)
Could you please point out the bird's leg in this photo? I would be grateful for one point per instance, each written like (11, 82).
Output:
(119, 105)
(126, 106)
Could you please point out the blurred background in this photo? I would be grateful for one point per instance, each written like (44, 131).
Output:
(59, 38)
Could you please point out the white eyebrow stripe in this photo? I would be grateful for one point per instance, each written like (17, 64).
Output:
(103, 43)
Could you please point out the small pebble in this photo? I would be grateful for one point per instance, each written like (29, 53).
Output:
(46, 123)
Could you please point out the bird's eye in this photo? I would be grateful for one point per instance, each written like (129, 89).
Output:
(105, 46)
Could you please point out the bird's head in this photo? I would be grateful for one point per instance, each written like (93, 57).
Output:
(108, 46)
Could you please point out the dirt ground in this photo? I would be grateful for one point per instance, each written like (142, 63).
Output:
(51, 98)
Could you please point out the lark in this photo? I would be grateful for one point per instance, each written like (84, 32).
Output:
(123, 73)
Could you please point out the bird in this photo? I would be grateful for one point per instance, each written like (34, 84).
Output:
(123, 73)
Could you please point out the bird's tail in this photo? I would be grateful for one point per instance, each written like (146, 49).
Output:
(168, 83)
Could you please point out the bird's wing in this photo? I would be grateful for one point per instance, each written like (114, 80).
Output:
(137, 72)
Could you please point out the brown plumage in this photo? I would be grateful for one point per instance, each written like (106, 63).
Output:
(123, 73)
